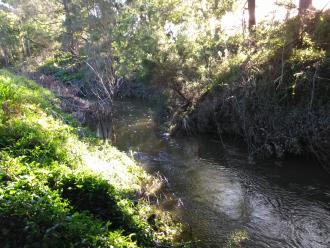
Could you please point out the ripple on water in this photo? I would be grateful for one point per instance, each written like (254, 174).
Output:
(311, 227)
(222, 193)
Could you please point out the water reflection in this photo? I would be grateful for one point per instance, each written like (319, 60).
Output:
(287, 206)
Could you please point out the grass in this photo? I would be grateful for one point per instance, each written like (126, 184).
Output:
(61, 190)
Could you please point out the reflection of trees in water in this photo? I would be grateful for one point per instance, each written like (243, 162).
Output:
(104, 129)
(190, 148)
(219, 194)
(99, 118)
(136, 132)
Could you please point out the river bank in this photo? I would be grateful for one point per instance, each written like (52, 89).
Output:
(63, 187)
(225, 200)
(272, 94)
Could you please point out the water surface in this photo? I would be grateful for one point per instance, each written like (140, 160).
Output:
(220, 194)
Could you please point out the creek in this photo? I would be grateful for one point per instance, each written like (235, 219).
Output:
(220, 195)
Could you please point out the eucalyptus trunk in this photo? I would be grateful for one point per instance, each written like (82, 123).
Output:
(252, 14)
(304, 5)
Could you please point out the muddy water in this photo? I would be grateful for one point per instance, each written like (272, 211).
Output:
(226, 201)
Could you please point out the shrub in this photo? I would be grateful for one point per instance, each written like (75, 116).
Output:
(48, 196)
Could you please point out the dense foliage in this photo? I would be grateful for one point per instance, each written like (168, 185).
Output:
(49, 194)
(272, 93)
(267, 84)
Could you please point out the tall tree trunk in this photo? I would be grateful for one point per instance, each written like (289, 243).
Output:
(72, 42)
(304, 5)
(217, 27)
(5, 55)
(252, 14)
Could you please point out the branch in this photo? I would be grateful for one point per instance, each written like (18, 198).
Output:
(100, 78)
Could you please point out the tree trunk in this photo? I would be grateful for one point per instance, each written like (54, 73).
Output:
(6, 56)
(252, 14)
(72, 42)
(304, 5)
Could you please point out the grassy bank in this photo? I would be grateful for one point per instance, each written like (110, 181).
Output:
(59, 189)
(271, 91)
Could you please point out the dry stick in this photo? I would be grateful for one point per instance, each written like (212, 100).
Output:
(96, 94)
(100, 78)
(282, 68)
(239, 111)
(243, 19)
(322, 78)
(313, 88)
(325, 6)
(219, 131)
(107, 92)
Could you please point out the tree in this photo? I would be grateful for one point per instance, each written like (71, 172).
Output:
(304, 5)
(27, 28)
(252, 15)
(72, 47)
(9, 38)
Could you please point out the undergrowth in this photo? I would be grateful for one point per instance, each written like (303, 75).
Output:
(61, 190)
(272, 91)
(63, 68)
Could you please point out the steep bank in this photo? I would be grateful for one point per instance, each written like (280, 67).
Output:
(226, 201)
(61, 189)
(73, 100)
(273, 93)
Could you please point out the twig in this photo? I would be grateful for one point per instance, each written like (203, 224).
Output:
(313, 87)
(282, 68)
(100, 78)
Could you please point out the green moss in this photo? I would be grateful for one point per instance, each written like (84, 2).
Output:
(59, 190)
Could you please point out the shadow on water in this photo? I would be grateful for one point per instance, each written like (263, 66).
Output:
(274, 204)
